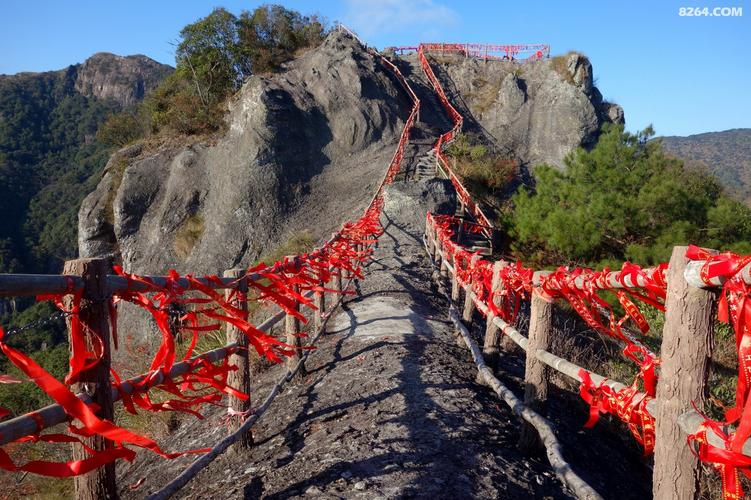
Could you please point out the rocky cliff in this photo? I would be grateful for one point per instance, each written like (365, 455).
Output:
(124, 80)
(536, 111)
(304, 149)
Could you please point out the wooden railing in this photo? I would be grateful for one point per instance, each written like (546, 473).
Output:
(89, 277)
(687, 340)
(442, 165)
(90, 280)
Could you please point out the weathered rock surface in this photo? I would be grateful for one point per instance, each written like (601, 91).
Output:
(411, 201)
(536, 111)
(124, 80)
(304, 150)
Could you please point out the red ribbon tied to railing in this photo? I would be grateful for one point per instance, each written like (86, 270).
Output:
(628, 404)
(601, 317)
(201, 309)
(734, 307)
(83, 413)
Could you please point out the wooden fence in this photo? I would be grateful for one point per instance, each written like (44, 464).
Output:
(687, 340)
(90, 278)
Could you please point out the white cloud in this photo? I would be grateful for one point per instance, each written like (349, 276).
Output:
(371, 17)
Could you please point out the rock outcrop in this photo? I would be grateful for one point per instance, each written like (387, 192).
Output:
(537, 111)
(124, 80)
(304, 150)
(410, 201)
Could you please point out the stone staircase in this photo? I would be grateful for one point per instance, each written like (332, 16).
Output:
(425, 168)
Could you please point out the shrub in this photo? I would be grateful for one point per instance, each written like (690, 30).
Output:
(216, 54)
(120, 129)
(560, 66)
(485, 173)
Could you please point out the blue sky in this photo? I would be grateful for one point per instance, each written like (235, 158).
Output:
(683, 74)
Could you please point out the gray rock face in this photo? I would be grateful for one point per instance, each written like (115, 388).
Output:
(536, 111)
(409, 202)
(304, 150)
(125, 80)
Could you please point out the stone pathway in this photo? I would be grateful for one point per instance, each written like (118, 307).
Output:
(389, 407)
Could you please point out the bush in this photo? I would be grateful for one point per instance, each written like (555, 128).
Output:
(120, 129)
(214, 57)
(485, 173)
(560, 66)
(188, 234)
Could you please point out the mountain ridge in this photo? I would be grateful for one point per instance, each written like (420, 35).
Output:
(726, 154)
(49, 152)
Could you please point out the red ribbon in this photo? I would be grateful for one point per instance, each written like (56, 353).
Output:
(734, 307)
(283, 284)
(628, 404)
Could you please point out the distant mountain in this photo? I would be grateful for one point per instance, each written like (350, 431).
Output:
(49, 156)
(726, 154)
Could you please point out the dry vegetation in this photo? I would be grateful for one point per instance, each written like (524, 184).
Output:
(560, 66)
(483, 95)
(188, 235)
(485, 173)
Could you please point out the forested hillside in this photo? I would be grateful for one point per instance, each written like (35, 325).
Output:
(725, 154)
(49, 155)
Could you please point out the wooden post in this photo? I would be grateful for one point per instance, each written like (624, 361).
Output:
(436, 248)
(536, 373)
(444, 268)
(240, 378)
(686, 350)
(469, 306)
(292, 325)
(94, 317)
(455, 288)
(429, 238)
(492, 333)
(319, 300)
(337, 280)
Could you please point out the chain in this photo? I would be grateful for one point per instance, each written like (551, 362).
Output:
(52, 318)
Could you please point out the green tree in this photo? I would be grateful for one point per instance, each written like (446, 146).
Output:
(271, 35)
(214, 57)
(624, 200)
(207, 56)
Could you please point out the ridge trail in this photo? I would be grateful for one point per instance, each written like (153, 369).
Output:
(389, 409)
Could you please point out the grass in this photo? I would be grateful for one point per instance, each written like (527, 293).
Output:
(298, 243)
(301, 242)
(483, 95)
(484, 172)
(188, 235)
(20, 485)
(560, 66)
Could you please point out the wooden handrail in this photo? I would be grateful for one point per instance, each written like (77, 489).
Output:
(53, 414)
(687, 336)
